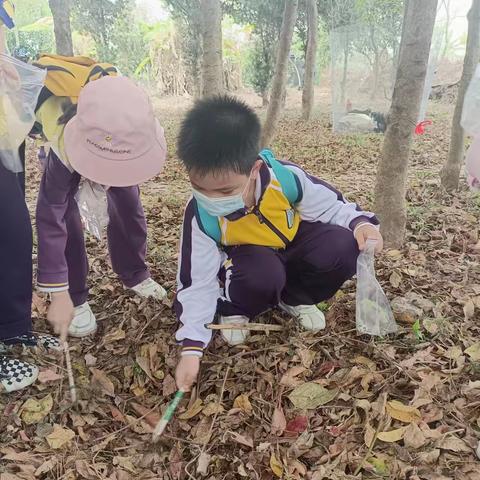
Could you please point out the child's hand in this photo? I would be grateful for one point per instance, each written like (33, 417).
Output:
(187, 372)
(60, 313)
(368, 232)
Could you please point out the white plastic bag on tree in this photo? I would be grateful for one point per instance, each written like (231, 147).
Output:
(92, 203)
(471, 106)
(373, 313)
(20, 85)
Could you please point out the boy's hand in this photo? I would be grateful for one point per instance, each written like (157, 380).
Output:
(60, 313)
(187, 372)
(368, 232)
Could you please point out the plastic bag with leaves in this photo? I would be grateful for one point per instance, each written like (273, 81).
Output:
(373, 313)
(20, 86)
(92, 203)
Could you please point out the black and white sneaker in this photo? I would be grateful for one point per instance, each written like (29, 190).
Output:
(32, 340)
(15, 374)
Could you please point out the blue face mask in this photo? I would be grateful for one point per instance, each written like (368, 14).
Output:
(220, 206)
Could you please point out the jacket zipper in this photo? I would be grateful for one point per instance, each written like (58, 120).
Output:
(262, 219)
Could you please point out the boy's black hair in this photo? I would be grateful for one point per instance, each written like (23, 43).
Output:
(219, 133)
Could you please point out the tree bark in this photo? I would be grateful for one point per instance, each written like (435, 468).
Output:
(310, 60)
(450, 174)
(343, 84)
(392, 172)
(280, 78)
(212, 66)
(61, 23)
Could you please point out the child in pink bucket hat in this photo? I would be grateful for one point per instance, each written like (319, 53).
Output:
(113, 140)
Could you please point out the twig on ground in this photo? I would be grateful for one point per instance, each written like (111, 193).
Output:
(257, 327)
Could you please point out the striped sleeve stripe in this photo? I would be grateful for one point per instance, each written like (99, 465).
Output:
(52, 285)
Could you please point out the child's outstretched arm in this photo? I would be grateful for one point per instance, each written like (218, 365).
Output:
(197, 295)
(322, 203)
(54, 199)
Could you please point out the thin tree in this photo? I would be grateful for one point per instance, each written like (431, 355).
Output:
(310, 59)
(450, 173)
(392, 172)
(61, 10)
(281, 68)
(212, 66)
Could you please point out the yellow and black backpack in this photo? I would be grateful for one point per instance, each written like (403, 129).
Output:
(66, 76)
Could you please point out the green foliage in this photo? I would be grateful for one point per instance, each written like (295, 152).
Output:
(188, 16)
(99, 19)
(34, 27)
(417, 330)
(29, 11)
(383, 19)
(265, 18)
(130, 45)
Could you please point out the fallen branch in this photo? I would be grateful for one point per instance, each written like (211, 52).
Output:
(257, 327)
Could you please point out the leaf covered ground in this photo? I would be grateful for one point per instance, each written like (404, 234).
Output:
(292, 405)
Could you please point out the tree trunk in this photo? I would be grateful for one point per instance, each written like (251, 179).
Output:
(265, 98)
(392, 172)
(212, 66)
(280, 78)
(343, 84)
(446, 36)
(61, 24)
(450, 173)
(310, 60)
(376, 76)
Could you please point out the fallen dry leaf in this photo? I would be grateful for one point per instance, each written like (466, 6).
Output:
(90, 360)
(414, 437)
(59, 437)
(276, 466)
(404, 413)
(429, 458)
(101, 382)
(242, 402)
(311, 395)
(289, 378)
(46, 467)
(203, 463)
(212, 408)
(279, 421)
(114, 336)
(242, 439)
(46, 376)
(34, 411)
(474, 352)
(388, 437)
(454, 444)
(193, 411)
(298, 424)
(307, 356)
(469, 309)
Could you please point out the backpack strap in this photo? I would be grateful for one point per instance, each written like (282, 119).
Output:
(208, 223)
(288, 180)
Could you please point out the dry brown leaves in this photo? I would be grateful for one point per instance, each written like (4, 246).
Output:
(296, 405)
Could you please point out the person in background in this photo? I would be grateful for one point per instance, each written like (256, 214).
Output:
(268, 231)
(112, 140)
(15, 259)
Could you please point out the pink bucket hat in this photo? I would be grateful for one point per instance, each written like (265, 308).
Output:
(115, 139)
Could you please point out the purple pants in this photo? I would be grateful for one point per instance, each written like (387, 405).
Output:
(62, 255)
(314, 266)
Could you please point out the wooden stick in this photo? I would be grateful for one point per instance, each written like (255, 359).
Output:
(260, 327)
(167, 416)
(71, 380)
